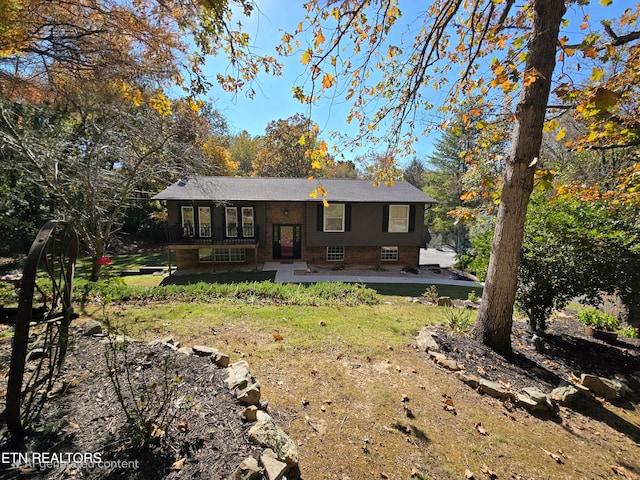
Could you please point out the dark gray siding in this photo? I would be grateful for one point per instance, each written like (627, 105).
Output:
(366, 228)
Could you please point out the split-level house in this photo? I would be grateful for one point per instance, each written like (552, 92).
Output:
(255, 220)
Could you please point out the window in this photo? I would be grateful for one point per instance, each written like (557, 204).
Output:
(247, 222)
(229, 255)
(335, 254)
(204, 221)
(389, 254)
(334, 218)
(231, 216)
(205, 255)
(398, 218)
(188, 221)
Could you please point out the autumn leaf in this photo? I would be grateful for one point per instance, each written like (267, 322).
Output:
(306, 57)
(621, 471)
(487, 471)
(555, 456)
(480, 429)
(328, 80)
(319, 38)
(179, 464)
(597, 74)
(448, 404)
(277, 337)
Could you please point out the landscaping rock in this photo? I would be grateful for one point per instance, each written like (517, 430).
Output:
(91, 327)
(203, 350)
(450, 364)
(525, 401)
(437, 356)
(604, 387)
(536, 394)
(250, 413)
(167, 342)
(247, 470)
(565, 395)
(266, 433)
(493, 389)
(425, 341)
(249, 395)
(273, 468)
(239, 376)
(245, 386)
(534, 400)
(445, 302)
(471, 380)
(220, 359)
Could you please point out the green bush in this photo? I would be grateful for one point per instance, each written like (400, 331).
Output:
(598, 320)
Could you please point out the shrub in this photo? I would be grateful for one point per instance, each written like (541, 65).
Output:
(458, 319)
(598, 320)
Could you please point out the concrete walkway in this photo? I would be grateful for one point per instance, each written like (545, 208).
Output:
(285, 273)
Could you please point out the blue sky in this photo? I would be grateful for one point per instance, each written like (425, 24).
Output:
(274, 100)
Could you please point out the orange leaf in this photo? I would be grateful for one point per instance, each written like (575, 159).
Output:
(328, 80)
(319, 38)
(277, 337)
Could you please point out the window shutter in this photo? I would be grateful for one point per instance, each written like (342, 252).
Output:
(385, 218)
(320, 217)
(412, 218)
(347, 218)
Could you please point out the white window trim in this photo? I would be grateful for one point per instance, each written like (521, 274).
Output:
(188, 228)
(326, 210)
(387, 258)
(231, 231)
(391, 227)
(202, 232)
(247, 224)
(337, 255)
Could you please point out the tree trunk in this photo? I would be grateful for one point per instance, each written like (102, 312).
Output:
(495, 318)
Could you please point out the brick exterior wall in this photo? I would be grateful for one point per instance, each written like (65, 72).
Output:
(282, 213)
(187, 259)
(365, 256)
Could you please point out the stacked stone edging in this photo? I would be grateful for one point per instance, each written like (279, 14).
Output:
(529, 398)
(280, 457)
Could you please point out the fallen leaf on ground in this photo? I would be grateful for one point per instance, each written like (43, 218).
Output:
(448, 404)
(178, 464)
(480, 429)
(487, 471)
(481, 371)
(621, 471)
(277, 337)
(468, 474)
(555, 456)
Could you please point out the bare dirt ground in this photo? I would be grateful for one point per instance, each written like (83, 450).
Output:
(354, 417)
(82, 415)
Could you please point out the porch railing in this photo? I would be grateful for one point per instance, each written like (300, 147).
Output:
(188, 235)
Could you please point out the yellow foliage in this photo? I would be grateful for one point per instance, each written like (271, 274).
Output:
(328, 80)
(161, 104)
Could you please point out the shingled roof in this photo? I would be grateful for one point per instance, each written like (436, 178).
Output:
(221, 189)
